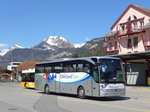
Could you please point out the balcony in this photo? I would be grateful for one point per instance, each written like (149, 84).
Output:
(112, 50)
(147, 43)
(131, 27)
(129, 31)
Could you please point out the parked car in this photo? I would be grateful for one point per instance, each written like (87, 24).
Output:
(5, 78)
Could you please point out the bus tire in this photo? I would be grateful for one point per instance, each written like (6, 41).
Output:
(25, 85)
(81, 92)
(46, 89)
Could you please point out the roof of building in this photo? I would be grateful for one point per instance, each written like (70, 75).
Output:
(134, 56)
(27, 65)
(143, 10)
(110, 34)
(89, 59)
(147, 26)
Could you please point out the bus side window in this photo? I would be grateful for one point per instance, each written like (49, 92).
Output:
(95, 74)
(57, 68)
(69, 67)
(48, 69)
(74, 67)
(66, 67)
(86, 68)
(40, 70)
(79, 67)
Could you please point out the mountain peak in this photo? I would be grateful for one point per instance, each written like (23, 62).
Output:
(4, 51)
(54, 40)
(15, 46)
(79, 45)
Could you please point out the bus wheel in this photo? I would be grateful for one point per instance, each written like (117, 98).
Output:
(46, 89)
(81, 93)
(25, 85)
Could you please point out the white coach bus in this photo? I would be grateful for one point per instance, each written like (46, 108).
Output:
(89, 76)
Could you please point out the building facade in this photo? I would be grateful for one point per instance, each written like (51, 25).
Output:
(13, 66)
(130, 33)
(129, 40)
(26, 67)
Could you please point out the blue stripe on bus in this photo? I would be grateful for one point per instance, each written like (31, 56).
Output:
(75, 81)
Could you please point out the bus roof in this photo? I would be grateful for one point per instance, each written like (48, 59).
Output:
(89, 59)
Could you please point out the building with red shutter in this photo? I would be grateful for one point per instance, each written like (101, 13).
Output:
(129, 40)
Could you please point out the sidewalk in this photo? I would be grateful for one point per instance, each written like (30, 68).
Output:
(139, 87)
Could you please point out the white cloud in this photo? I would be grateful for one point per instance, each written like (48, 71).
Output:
(3, 45)
(86, 39)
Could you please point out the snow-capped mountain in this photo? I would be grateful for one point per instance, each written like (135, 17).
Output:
(79, 45)
(93, 43)
(4, 51)
(15, 47)
(50, 48)
(54, 42)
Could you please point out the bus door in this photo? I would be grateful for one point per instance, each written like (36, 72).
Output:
(95, 82)
(58, 68)
(57, 83)
(51, 81)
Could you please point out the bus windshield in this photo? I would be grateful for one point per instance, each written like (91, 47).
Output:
(28, 77)
(111, 71)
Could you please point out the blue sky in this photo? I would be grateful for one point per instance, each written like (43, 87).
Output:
(28, 22)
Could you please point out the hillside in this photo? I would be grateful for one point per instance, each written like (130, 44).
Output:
(50, 48)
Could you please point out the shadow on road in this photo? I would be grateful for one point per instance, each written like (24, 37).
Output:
(113, 98)
(32, 89)
(48, 103)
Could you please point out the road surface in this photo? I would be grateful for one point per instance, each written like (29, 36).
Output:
(14, 98)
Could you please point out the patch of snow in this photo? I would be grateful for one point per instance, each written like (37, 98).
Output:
(4, 51)
(15, 47)
(52, 40)
(79, 45)
(93, 46)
